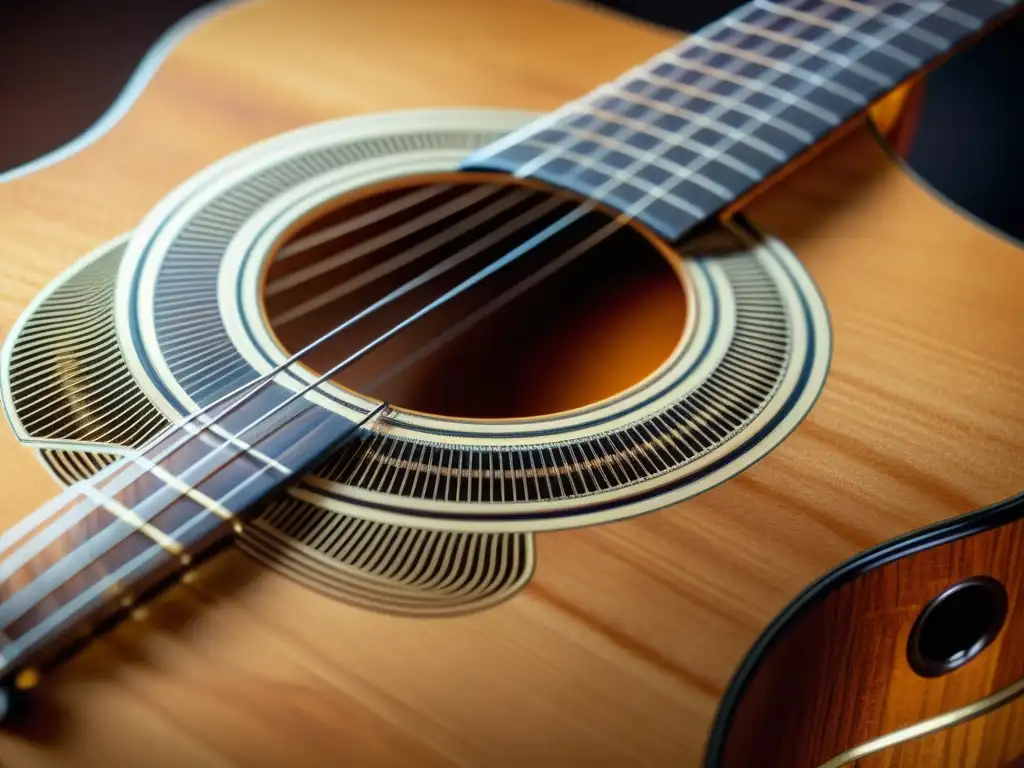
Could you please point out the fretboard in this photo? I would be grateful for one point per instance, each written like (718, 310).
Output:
(91, 553)
(694, 129)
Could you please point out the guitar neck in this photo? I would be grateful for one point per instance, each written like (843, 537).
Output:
(93, 552)
(685, 135)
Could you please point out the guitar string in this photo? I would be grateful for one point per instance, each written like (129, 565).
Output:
(921, 11)
(322, 236)
(267, 378)
(924, 10)
(11, 537)
(159, 459)
(387, 237)
(727, 19)
(616, 224)
(284, 365)
(419, 250)
(262, 419)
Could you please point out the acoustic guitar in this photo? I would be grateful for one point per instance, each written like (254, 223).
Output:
(511, 384)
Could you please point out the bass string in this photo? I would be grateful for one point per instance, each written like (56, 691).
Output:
(624, 218)
(250, 388)
(257, 384)
(728, 142)
(109, 586)
(15, 534)
(421, 249)
(392, 234)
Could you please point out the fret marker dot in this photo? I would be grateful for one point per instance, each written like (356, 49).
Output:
(126, 601)
(26, 679)
(238, 527)
(140, 614)
(185, 559)
(188, 577)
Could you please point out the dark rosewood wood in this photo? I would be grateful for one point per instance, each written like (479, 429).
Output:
(995, 740)
(705, 122)
(834, 671)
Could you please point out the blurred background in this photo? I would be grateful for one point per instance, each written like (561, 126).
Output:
(62, 63)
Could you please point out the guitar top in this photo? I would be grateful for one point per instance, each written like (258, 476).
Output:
(453, 383)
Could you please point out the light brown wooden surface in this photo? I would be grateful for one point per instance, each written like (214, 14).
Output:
(618, 650)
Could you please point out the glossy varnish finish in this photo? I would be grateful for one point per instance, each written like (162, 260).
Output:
(619, 649)
(839, 675)
(991, 741)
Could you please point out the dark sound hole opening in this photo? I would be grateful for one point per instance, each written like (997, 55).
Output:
(590, 330)
(956, 626)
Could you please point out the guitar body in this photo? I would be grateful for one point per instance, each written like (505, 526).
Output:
(631, 642)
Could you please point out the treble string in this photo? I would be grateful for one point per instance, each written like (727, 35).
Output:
(588, 206)
(247, 391)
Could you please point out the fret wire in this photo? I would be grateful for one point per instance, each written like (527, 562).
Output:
(965, 19)
(97, 590)
(165, 542)
(722, 128)
(43, 538)
(819, 50)
(702, 86)
(549, 119)
(217, 429)
(727, 102)
(47, 582)
(937, 9)
(253, 476)
(633, 181)
(655, 159)
(637, 208)
(529, 166)
(132, 518)
(68, 611)
(110, 479)
(765, 61)
(172, 480)
(753, 85)
(880, 14)
(264, 468)
(670, 138)
(854, 34)
(731, 102)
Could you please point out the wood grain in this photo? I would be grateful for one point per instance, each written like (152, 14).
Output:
(618, 651)
(841, 672)
(992, 741)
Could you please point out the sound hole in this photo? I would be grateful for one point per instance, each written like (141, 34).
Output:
(956, 626)
(518, 343)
